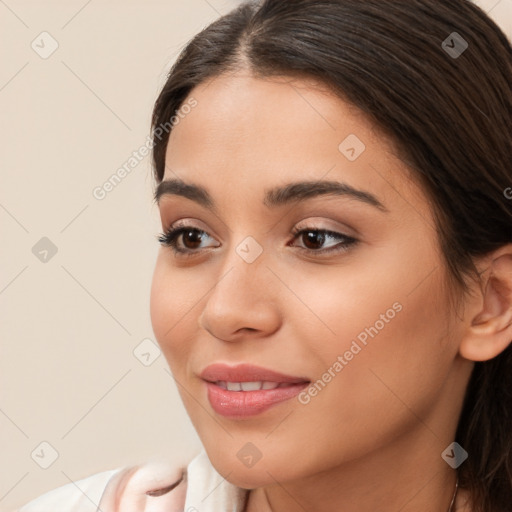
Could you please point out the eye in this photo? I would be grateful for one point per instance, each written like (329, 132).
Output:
(184, 240)
(315, 238)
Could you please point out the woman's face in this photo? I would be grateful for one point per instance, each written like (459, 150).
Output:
(360, 312)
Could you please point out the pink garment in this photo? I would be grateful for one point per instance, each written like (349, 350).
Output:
(151, 487)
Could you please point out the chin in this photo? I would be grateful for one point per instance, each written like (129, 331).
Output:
(264, 472)
(246, 478)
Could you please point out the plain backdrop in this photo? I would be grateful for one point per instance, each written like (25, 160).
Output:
(83, 387)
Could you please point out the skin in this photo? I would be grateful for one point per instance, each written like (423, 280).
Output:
(372, 438)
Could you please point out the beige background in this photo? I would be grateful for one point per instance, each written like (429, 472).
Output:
(69, 326)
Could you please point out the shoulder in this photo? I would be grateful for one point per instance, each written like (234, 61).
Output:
(156, 486)
(163, 487)
(129, 488)
(82, 495)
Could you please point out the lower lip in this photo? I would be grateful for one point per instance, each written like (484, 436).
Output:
(241, 404)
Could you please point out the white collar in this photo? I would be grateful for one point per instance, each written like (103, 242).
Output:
(208, 491)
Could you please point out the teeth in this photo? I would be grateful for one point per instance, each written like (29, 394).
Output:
(251, 386)
(248, 386)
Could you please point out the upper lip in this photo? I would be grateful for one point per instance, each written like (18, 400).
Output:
(246, 373)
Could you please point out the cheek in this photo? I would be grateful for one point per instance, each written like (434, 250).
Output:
(173, 301)
(385, 325)
(336, 305)
(395, 365)
(375, 295)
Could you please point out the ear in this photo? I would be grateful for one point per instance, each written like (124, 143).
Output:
(490, 330)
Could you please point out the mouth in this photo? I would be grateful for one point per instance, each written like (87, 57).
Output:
(244, 390)
(251, 386)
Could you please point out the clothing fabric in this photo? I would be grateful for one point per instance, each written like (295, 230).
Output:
(151, 487)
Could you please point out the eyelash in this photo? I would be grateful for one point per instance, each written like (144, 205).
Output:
(170, 237)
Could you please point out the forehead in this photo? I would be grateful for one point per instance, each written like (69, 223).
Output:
(252, 133)
(279, 112)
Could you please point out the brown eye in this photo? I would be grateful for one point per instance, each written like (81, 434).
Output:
(184, 240)
(314, 240)
(192, 238)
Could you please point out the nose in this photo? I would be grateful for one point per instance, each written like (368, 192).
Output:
(243, 303)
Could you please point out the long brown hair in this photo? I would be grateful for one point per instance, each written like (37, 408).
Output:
(435, 76)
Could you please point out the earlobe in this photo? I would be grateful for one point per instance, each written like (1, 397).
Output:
(490, 331)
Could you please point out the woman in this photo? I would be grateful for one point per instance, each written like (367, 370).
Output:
(334, 289)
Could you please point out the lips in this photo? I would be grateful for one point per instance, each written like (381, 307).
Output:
(246, 390)
(246, 373)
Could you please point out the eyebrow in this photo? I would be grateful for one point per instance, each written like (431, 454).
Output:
(275, 197)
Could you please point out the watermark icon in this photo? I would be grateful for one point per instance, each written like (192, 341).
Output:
(147, 352)
(455, 45)
(44, 250)
(101, 191)
(44, 45)
(454, 455)
(249, 249)
(352, 147)
(249, 455)
(314, 388)
(508, 193)
(44, 455)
